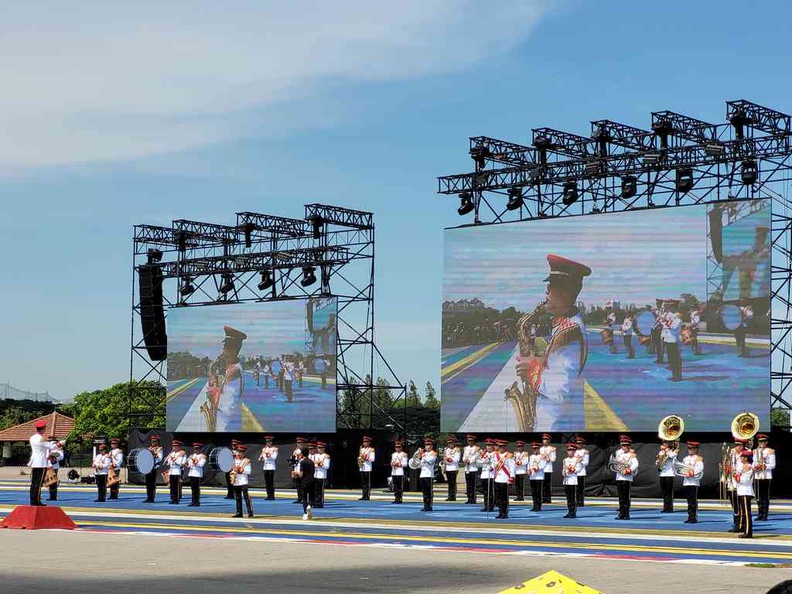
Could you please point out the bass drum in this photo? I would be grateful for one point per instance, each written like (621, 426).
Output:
(730, 316)
(275, 367)
(644, 322)
(221, 459)
(140, 460)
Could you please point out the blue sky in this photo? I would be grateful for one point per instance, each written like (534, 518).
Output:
(120, 114)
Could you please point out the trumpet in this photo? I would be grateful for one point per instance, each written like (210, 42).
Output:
(415, 461)
(524, 401)
(686, 470)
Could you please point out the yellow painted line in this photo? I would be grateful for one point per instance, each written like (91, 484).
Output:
(249, 421)
(182, 388)
(600, 416)
(450, 540)
(466, 362)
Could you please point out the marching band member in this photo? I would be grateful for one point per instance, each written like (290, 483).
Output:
(428, 465)
(672, 327)
(691, 484)
(485, 463)
(241, 476)
(195, 465)
(302, 444)
(549, 452)
(583, 454)
(764, 464)
(742, 329)
(627, 334)
(229, 483)
(665, 466)
(304, 471)
(537, 463)
(116, 463)
(731, 482)
(570, 469)
(53, 462)
(398, 463)
(503, 469)
(743, 475)
(451, 455)
(40, 451)
(624, 476)
(175, 461)
(695, 322)
(366, 458)
(470, 457)
(269, 455)
(321, 460)
(101, 464)
(657, 331)
(520, 469)
(151, 478)
(610, 322)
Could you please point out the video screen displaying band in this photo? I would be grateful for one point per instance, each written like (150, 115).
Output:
(253, 367)
(608, 322)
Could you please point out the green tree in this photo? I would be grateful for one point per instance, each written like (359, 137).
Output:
(430, 400)
(106, 412)
(779, 417)
(413, 398)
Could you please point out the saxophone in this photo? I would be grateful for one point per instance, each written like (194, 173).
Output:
(524, 401)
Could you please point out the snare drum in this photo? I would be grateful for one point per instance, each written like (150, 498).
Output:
(221, 459)
(140, 460)
(730, 316)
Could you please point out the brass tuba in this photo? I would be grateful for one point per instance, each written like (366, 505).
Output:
(524, 401)
(671, 428)
(745, 426)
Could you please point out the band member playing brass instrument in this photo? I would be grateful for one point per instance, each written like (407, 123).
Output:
(664, 461)
(195, 466)
(691, 479)
(151, 478)
(470, 457)
(485, 464)
(743, 476)
(176, 462)
(764, 464)
(366, 457)
(398, 463)
(732, 464)
(269, 456)
(101, 464)
(53, 463)
(583, 454)
(321, 460)
(570, 469)
(241, 478)
(451, 457)
(117, 463)
(625, 464)
(520, 469)
(503, 469)
(428, 465)
(549, 452)
(536, 472)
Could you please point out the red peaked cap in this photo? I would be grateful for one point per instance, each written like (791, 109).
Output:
(197, 445)
(761, 437)
(571, 446)
(625, 439)
(693, 444)
(564, 268)
(519, 442)
(41, 424)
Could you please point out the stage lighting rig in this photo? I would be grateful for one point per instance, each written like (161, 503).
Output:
(309, 276)
(570, 193)
(714, 149)
(652, 159)
(266, 280)
(466, 204)
(480, 154)
(153, 255)
(684, 180)
(316, 226)
(228, 283)
(187, 288)
(749, 172)
(515, 199)
(629, 186)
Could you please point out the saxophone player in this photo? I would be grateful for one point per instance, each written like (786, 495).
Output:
(764, 464)
(503, 469)
(470, 456)
(241, 476)
(583, 454)
(627, 466)
(570, 469)
(665, 466)
(398, 463)
(175, 461)
(536, 469)
(692, 480)
(151, 478)
(269, 456)
(549, 452)
(556, 380)
(428, 465)
(195, 466)
(117, 462)
(743, 476)
(485, 464)
(451, 455)
(520, 469)
(366, 458)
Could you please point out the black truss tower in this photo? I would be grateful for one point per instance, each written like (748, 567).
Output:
(197, 259)
(620, 167)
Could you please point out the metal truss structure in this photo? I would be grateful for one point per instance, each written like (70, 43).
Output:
(679, 161)
(267, 258)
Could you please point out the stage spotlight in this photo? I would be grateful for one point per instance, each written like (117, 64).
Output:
(479, 155)
(466, 204)
(651, 159)
(570, 193)
(309, 277)
(316, 226)
(515, 199)
(266, 280)
(592, 168)
(749, 172)
(228, 283)
(714, 149)
(153, 255)
(248, 229)
(629, 186)
(684, 180)
(187, 287)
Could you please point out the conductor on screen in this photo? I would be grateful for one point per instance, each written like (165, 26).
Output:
(554, 382)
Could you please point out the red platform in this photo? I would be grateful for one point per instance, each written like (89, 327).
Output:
(30, 517)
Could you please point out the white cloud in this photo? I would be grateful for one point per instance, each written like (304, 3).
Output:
(92, 81)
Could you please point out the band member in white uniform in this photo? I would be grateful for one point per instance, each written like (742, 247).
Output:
(428, 465)
(398, 463)
(101, 464)
(520, 469)
(695, 322)
(117, 463)
(583, 454)
(691, 483)
(232, 388)
(302, 444)
(39, 456)
(366, 457)
(731, 482)
(54, 460)
(557, 379)
(269, 456)
(743, 475)
(570, 469)
(321, 460)
(451, 455)
(627, 334)
(485, 464)
(537, 463)
(470, 457)
(549, 452)
(665, 466)
(195, 469)
(629, 462)
(503, 469)
(151, 478)
(610, 322)
(742, 329)
(241, 476)
(672, 328)
(764, 461)
(175, 462)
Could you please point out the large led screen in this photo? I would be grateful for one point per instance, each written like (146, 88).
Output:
(608, 322)
(253, 367)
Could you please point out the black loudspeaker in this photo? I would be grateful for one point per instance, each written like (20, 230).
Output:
(152, 313)
(716, 232)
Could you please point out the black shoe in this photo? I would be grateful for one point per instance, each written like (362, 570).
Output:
(270, 499)
(250, 515)
(228, 497)
(95, 501)
(688, 521)
(745, 536)
(568, 516)
(619, 518)
(237, 516)
(173, 503)
(573, 516)
(191, 505)
(627, 517)
(394, 501)
(694, 521)
(536, 509)
(500, 517)
(483, 509)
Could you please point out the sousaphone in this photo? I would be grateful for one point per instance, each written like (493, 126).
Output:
(671, 428)
(745, 426)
